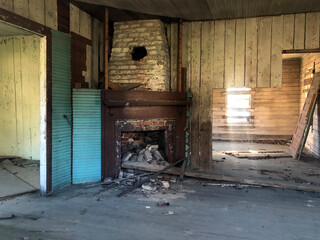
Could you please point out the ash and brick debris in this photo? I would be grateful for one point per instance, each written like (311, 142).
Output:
(149, 154)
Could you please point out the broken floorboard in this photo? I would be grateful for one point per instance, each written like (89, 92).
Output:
(292, 182)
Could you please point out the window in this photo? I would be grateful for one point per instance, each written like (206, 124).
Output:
(238, 106)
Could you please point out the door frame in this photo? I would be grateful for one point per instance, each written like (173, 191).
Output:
(45, 92)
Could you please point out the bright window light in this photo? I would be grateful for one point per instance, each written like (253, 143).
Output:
(238, 105)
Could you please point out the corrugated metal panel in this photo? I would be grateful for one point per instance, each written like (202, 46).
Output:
(61, 110)
(86, 135)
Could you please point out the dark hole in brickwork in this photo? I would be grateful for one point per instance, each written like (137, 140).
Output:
(138, 53)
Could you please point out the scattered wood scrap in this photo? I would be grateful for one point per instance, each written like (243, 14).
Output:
(138, 184)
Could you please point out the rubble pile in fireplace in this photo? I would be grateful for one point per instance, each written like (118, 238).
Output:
(148, 154)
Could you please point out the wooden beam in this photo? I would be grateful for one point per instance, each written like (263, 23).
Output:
(106, 49)
(180, 58)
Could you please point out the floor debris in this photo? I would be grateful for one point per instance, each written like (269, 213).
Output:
(6, 216)
(168, 213)
(234, 185)
(163, 204)
(83, 211)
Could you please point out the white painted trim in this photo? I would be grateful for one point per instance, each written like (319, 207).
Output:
(43, 115)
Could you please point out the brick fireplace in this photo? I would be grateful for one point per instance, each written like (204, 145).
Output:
(140, 111)
(140, 56)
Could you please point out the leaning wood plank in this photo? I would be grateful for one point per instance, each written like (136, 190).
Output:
(206, 86)
(311, 112)
(240, 53)
(299, 30)
(288, 29)
(312, 30)
(304, 116)
(195, 89)
(218, 55)
(251, 52)
(276, 51)
(229, 53)
(264, 49)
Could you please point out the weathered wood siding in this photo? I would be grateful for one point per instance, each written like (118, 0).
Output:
(246, 53)
(275, 110)
(70, 18)
(91, 31)
(310, 61)
(20, 97)
(40, 11)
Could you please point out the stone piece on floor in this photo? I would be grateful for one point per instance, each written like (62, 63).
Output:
(148, 187)
(168, 213)
(83, 211)
(165, 184)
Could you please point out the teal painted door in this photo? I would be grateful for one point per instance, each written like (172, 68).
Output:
(86, 135)
(61, 110)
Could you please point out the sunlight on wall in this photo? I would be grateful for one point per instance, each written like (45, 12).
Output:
(238, 105)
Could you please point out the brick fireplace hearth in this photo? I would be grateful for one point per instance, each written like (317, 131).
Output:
(134, 111)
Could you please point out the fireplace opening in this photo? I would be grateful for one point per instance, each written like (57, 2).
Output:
(145, 146)
(138, 53)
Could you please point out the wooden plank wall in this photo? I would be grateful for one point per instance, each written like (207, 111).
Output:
(40, 11)
(90, 30)
(69, 19)
(309, 61)
(275, 110)
(246, 53)
(20, 97)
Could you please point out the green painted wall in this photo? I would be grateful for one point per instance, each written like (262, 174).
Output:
(20, 97)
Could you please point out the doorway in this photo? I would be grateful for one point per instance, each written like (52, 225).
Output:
(22, 110)
(252, 130)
